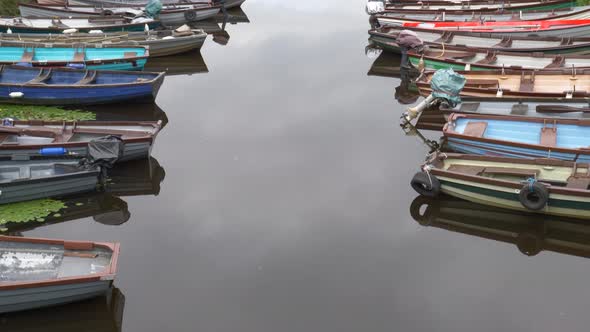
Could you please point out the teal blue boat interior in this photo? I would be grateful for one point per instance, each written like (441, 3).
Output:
(67, 54)
(567, 135)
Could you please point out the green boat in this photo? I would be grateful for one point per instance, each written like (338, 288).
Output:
(546, 186)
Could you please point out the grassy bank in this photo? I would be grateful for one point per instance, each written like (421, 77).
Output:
(47, 113)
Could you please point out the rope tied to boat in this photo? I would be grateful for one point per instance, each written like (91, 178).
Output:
(426, 169)
(531, 182)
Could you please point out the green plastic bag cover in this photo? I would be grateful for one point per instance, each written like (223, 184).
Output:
(153, 8)
(447, 84)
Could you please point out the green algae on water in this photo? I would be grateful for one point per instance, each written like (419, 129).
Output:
(46, 113)
(30, 211)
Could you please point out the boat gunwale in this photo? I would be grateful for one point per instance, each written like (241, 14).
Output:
(60, 30)
(439, 158)
(108, 274)
(206, 6)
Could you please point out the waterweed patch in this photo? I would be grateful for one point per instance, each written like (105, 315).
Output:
(46, 113)
(30, 211)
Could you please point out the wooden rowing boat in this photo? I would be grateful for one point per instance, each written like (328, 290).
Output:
(398, 17)
(55, 138)
(548, 186)
(465, 58)
(558, 28)
(102, 3)
(483, 6)
(41, 272)
(49, 55)
(523, 137)
(64, 86)
(386, 37)
(176, 14)
(59, 25)
(159, 42)
(530, 233)
(564, 84)
(24, 180)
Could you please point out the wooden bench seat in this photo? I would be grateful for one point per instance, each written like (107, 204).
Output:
(475, 129)
(482, 83)
(512, 171)
(576, 182)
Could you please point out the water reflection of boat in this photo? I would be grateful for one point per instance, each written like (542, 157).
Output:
(133, 178)
(216, 26)
(182, 64)
(100, 314)
(390, 65)
(531, 233)
(128, 112)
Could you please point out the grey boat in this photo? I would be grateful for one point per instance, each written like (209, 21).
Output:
(23, 180)
(39, 273)
(226, 3)
(30, 138)
(571, 110)
(159, 42)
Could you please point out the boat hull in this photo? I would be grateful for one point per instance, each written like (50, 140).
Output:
(498, 196)
(39, 297)
(228, 3)
(110, 28)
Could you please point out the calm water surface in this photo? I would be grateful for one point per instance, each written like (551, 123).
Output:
(282, 203)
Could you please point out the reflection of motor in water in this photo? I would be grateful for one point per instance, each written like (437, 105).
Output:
(100, 314)
(531, 233)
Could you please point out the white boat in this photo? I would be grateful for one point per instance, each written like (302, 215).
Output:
(174, 14)
(41, 272)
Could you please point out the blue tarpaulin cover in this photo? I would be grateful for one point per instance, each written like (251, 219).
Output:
(447, 84)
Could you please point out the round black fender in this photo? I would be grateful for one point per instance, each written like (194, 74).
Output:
(107, 12)
(425, 184)
(529, 243)
(190, 15)
(534, 196)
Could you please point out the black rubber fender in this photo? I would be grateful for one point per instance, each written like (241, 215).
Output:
(423, 218)
(424, 184)
(190, 15)
(534, 196)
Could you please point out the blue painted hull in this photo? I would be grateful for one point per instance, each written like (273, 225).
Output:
(47, 95)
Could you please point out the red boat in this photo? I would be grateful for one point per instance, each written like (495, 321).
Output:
(569, 28)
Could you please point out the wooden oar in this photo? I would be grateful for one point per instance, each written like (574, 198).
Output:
(561, 109)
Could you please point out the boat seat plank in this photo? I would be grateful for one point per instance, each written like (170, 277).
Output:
(130, 55)
(64, 137)
(482, 83)
(469, 107)
(549, 137)
(475, 129)
(107, 131)
(512, 171)
(575, 182)
(506, 42)
(43, 76)
(527, 83)
(89, 77)
(27, 56)
(466, 169)
(79, 56)
(491, 57)
(557, 62)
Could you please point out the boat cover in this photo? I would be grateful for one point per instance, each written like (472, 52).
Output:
(447, 84)
(105, 151)
(153, 8)
(408, 39)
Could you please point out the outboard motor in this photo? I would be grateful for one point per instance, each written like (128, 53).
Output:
(446, 85)
(104, 153)
(375, 6)
(408, 40)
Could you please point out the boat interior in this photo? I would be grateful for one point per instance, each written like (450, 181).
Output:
(69, 54)
(570, 85)
(67, 133)
(576, 177)
(26, 262)
(35, 169)
(62, 23)
(51, 76)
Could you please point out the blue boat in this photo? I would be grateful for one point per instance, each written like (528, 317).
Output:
(521, 137)
(89, 57)
(64, 86)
